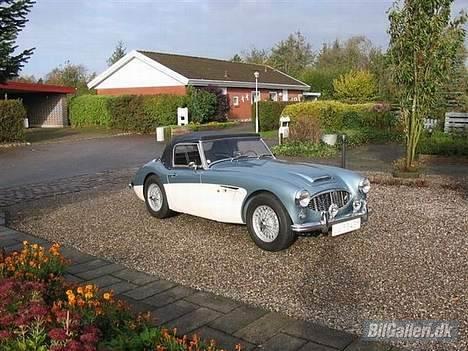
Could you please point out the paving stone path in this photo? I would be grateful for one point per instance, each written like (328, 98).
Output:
(35, 191)
(191, 311)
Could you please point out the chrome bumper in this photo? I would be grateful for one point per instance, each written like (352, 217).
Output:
(326, 222)
(130, 185)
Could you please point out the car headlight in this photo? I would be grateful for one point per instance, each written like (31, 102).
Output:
(303, 198)
(364, 185)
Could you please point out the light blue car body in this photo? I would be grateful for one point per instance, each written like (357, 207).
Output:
(281, 178)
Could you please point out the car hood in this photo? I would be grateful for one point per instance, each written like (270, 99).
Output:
(301, 174)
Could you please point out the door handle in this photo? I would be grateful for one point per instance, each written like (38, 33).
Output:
(172, 175)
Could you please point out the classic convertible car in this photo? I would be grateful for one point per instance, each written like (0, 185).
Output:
(234, 178)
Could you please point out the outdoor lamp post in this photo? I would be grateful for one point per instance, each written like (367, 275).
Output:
(256, 74)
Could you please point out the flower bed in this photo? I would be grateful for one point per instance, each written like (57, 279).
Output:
(39, 310)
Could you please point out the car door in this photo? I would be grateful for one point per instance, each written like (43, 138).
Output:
(183, 181)
(222, 199)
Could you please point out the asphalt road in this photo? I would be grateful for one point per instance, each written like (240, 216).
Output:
(40, 163)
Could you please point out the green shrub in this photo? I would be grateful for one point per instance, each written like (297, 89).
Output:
(355, 86)
(12, 114)
(127, 113)
(90, 110)
(202, 105)
(161, 110)
(440, 143)
(305, 149)
(269, 113)
(335, 116)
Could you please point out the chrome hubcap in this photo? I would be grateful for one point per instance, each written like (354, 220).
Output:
(265, 223)
(155, 197)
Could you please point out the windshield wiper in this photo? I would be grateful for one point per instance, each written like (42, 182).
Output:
(239, 157)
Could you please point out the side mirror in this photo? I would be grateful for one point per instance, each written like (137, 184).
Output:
(193, 165)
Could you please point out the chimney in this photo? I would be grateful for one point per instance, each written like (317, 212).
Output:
(226, 74)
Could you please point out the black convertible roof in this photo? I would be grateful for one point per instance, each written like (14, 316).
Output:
(195, 137)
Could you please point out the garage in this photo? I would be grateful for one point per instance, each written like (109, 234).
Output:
(46, 104)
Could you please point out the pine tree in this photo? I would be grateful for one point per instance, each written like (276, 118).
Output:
(12, 21)
(119, 52)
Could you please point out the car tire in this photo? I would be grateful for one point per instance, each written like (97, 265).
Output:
(269, 223)
(155, 198)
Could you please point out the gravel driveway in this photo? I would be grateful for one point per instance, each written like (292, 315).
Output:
(409, 262)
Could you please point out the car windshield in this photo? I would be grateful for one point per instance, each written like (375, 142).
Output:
(234, 148)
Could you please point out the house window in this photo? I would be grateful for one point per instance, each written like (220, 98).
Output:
(186, 153)
(273, 96)
(235, 101)
(253, 99)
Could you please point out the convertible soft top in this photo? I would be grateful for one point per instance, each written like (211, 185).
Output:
(166, 157)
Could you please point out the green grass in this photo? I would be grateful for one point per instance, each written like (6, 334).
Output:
(40, 135)
(269, 134)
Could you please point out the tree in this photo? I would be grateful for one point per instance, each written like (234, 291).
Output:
(25, 79)
(292, 55)
(422, 52)
(12, 21)
(71, 75)
(119, 52)
(254, 55)
(320, 80)
(355, 86)
(236, 58)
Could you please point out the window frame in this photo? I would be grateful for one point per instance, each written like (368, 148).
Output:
(252, 94)
(235, 101)
(187, 144)
(276, 95)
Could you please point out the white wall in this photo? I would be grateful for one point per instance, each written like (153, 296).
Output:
(137, 73)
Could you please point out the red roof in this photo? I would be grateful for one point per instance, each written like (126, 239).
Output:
(36, 88)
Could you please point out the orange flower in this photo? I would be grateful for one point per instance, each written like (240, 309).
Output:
(107, 296)
(79, 290)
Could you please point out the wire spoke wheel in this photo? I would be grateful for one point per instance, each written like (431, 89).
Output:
(265, 223)
(155, 197)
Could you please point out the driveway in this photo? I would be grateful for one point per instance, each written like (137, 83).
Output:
(43, 163)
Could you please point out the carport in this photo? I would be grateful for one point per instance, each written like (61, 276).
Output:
(46, 104)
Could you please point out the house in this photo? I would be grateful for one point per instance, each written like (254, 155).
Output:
(46, 104)
(151, 73)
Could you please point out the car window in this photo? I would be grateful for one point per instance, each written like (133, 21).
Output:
(184, 154)
(231, 147)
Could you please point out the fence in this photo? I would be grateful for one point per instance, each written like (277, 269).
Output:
(456, 122)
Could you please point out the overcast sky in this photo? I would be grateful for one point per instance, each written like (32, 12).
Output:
(86, 31)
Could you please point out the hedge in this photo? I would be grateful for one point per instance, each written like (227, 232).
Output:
(90, 110)
(127, 112)
(269, 113)
(12, 115)
(335, 116)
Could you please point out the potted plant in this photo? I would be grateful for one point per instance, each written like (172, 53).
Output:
(330, 137)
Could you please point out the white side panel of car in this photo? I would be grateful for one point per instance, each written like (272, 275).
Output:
(212, 201)
(139, 191)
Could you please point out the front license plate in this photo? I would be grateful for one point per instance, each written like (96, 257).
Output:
(346, 227)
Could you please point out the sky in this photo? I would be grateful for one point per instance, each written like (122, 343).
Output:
(86, 31)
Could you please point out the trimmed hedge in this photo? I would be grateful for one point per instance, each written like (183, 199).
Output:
(127, 112)
(444, 144)
(335, 116)
(12, 114)
(269, 113)
(90, 110)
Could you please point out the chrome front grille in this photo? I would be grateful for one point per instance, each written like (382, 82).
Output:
(322, 202)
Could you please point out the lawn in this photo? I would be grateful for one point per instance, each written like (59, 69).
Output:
(40, 135)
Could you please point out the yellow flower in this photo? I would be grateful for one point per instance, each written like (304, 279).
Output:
(107, 296)
(80, 290)
(69, 292)
(89, 287)
(88, 295)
